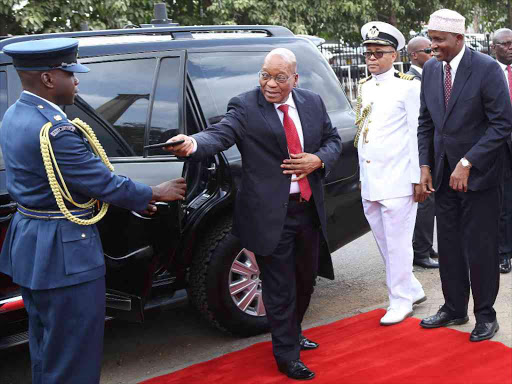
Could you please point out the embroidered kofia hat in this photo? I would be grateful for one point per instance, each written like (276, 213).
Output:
(378, 32)
(47, 54)
(446, 20)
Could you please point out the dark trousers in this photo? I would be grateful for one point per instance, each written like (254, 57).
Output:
(467, 234)
(66, 328)
(288, 278)
(423, 237)
(505, 237)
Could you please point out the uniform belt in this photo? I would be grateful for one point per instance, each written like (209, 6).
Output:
(297, 197)
(51, 215)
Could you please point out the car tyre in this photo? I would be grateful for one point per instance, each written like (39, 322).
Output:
(210, 278)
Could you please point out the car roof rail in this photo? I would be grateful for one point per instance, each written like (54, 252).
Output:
(177, 32)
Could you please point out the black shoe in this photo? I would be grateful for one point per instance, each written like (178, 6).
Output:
(295, 369)
(306, 344)
(505, 264)
(425, 262)
(484, 331)
(442, 319)
(433, 254)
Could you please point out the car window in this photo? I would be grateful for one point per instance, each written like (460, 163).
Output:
(165, 120)
(119, 91)
(218, 76)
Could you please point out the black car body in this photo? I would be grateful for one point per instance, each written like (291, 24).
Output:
(145, 86)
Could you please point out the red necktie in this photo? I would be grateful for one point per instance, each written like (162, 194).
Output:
(447, 83)
(292, 138)
(509, 72)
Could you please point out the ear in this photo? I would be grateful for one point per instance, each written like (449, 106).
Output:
(48, 80)
(296, 81)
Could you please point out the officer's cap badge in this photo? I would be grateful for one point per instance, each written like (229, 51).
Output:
(372, 33)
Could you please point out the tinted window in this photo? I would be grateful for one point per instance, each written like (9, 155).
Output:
(119, 91)
(165, 119)
(217, 77)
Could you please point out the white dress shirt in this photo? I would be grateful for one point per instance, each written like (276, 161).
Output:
(419, 69)
(48, 101)
(294, 115)
(504, 67)
(454, 64)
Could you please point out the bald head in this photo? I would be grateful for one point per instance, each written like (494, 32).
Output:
(285, 54)
(414, 48)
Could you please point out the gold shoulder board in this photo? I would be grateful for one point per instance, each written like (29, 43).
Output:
(403, 76)
(362, 81)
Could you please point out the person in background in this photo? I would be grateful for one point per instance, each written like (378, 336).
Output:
(288, 146)
(465, 120)
(386, 140)
(53, 253)
(502, 48)
(419, 53)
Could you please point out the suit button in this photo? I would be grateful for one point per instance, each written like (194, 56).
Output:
(368, 161)
(83, 235)
(285, 205)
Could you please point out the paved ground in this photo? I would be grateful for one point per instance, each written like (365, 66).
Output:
(175, 338)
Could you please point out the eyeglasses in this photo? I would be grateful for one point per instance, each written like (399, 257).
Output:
(376, 54)
(506, 44)
(265, 76)
(428, 51)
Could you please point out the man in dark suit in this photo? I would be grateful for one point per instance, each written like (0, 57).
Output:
(502, 47)
(53, 252)
(465, 118)
(288, 146)
(420, 52)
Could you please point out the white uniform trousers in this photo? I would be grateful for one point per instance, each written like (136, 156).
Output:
(392, 222)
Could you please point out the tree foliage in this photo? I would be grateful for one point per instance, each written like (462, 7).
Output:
(326, 18)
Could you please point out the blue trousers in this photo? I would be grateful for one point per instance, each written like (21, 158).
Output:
(66, 327)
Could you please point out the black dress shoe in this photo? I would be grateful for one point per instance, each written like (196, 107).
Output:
(426, 262)
(505, 264)
(484, 331)
(306, 344)
(433, 254)
(295, 369)
(442, 319)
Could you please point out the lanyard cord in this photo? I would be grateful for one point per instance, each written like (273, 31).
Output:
(60, 190)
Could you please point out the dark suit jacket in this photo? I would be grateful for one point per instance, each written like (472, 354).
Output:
(414, 73)
(475, 124)
(253, 125)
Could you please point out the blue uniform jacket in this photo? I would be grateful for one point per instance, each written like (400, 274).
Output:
(45, 254)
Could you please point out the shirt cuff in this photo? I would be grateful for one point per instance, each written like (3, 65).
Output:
(194, 150)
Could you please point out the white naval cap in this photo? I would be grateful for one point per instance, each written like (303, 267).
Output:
(378, 32)
(446, 20)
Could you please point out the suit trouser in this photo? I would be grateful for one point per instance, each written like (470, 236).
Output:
(467, 238)
(288, 278)
(423, 237)
(392, 223)
(505, 235)
(66, 327)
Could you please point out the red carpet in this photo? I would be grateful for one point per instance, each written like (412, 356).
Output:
(358, 350)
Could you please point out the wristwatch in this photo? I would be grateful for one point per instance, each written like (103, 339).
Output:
(323, 165)
(465, 163)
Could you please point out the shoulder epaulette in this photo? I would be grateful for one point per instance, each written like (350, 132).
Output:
(362, 81)
(403, 76)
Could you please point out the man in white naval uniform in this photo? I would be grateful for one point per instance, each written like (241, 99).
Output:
(387, 117)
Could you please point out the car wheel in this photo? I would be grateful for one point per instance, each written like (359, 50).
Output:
(224, 283)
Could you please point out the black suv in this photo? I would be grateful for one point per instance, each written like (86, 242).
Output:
(145, 86)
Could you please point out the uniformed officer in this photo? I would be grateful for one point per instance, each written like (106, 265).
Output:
(52, 248)
(387, 118)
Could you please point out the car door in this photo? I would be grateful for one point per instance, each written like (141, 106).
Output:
(131, 101)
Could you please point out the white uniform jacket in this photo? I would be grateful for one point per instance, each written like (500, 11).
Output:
(388, 143)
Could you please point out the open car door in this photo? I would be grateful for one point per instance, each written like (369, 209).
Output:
(131, 101)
